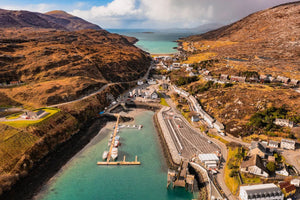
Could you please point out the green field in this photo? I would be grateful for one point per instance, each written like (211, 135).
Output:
(26, 123)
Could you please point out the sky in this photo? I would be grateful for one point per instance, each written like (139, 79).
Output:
(156, 14)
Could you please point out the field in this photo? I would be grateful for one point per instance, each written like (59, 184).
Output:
(13, 143)
(26, 123)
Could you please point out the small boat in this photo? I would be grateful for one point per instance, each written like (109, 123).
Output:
(114, 153)
(140, 127)
(117, 138)
(116, 143)
(104, 155)
(109, 143)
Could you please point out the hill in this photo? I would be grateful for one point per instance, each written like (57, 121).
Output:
(58, 20)
(266, 41)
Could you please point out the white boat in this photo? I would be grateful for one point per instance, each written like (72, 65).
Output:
(116, 143)
(104, 155)
(117, 138)
(114, 153)
(140, 127)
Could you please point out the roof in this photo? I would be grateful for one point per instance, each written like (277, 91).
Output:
(208, 157)
(254, 161)
(272, 142)
(260, 146)
(287, 186)
(288, 141)
(261, 190)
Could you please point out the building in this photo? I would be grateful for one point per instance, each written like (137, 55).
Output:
(261, 192)
(288, 144)
(295, 182)
(287, 188)
(34, 115)
(254, 165)
(283, 79)
(219, 126)
(188, 69)
(195, 118)
(192, 74)
(140, 82)
(151, 82)
(208, 119)
(209, 160)
(258, 148)
(295, 82)
(273, 144)
(238, 79)
(207, 73)
(154, 95)
(284, 122)
(224, 77)
(253, 80)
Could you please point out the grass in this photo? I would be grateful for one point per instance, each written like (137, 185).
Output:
(163, 100)
(13, 143)
(250, 179)
(26, 123)
(218, 138)
(232, 183)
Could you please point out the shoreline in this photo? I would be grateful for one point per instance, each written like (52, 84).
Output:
(48, 167)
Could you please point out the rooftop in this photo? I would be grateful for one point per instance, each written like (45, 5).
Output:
(262, 190)
(207, 157)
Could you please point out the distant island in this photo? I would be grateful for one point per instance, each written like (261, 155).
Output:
(148, 32)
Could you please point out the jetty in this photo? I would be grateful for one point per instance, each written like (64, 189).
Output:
(123, 162)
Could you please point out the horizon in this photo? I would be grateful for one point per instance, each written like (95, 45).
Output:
(156, 15)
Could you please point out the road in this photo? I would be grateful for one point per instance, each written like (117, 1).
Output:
(101, 89)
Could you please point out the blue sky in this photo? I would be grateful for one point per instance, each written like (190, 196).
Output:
(148, 13)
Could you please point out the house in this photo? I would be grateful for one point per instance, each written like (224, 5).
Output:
(283, 79)
(287, 188)
(254, 165)
(192, 74)
(209, 120)
(165, 86)
(188, 69)
(295, 82)
(288, 144)
(295, 182)
(140, 82)
(219, 126)
(238, 79)
(253, 80)
(284, 122)
(258, 148)
(273, 144)
(154, 95)
(265, 78)
(209, 160)
(261, 192)
(224, 77)
(195, 118)
(151, 82)
(34, 115)
(282, 172)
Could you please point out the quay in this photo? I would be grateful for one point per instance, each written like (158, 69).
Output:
(123, 162)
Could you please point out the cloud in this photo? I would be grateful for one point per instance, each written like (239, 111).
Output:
(157, 13)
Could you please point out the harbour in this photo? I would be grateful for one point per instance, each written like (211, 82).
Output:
(81, 178)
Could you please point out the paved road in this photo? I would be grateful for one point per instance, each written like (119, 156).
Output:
(101, 89)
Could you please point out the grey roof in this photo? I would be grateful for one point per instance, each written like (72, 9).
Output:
(255, 160)
(288, 141)
(272, 142)
(262, 190)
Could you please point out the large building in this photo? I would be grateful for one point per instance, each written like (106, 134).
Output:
(261, 192)
(209, 160)
(288, 144)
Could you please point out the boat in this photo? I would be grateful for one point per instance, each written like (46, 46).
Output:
(104, 155)
(140, 127)
(110, 140)
(109, 143)
(114, 153)
(117, 137)
(116, 143)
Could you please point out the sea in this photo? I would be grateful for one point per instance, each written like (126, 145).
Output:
(155, 41)
(82, 179)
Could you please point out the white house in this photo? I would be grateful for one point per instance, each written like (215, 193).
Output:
(254, 165)
(261, 192)
(273, 143)
(151, 82)
(209, 120)
(154, 95)
(295, 182)
(209, 160)
(140, 82)
(284, 122)
(288, 144)
(219, 126)
(188, 69)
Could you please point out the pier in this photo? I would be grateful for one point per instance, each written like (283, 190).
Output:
(123, 162)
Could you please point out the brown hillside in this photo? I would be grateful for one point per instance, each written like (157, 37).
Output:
(268, 41)
(53, 20)
(82, 60)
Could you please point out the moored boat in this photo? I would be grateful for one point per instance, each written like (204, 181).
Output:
(116, 144)
(104, 155)
(114, 153)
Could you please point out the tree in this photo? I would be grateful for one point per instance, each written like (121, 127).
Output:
(271, 166)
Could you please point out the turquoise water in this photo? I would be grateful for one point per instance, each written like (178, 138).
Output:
(82, 179)
(157, 41)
